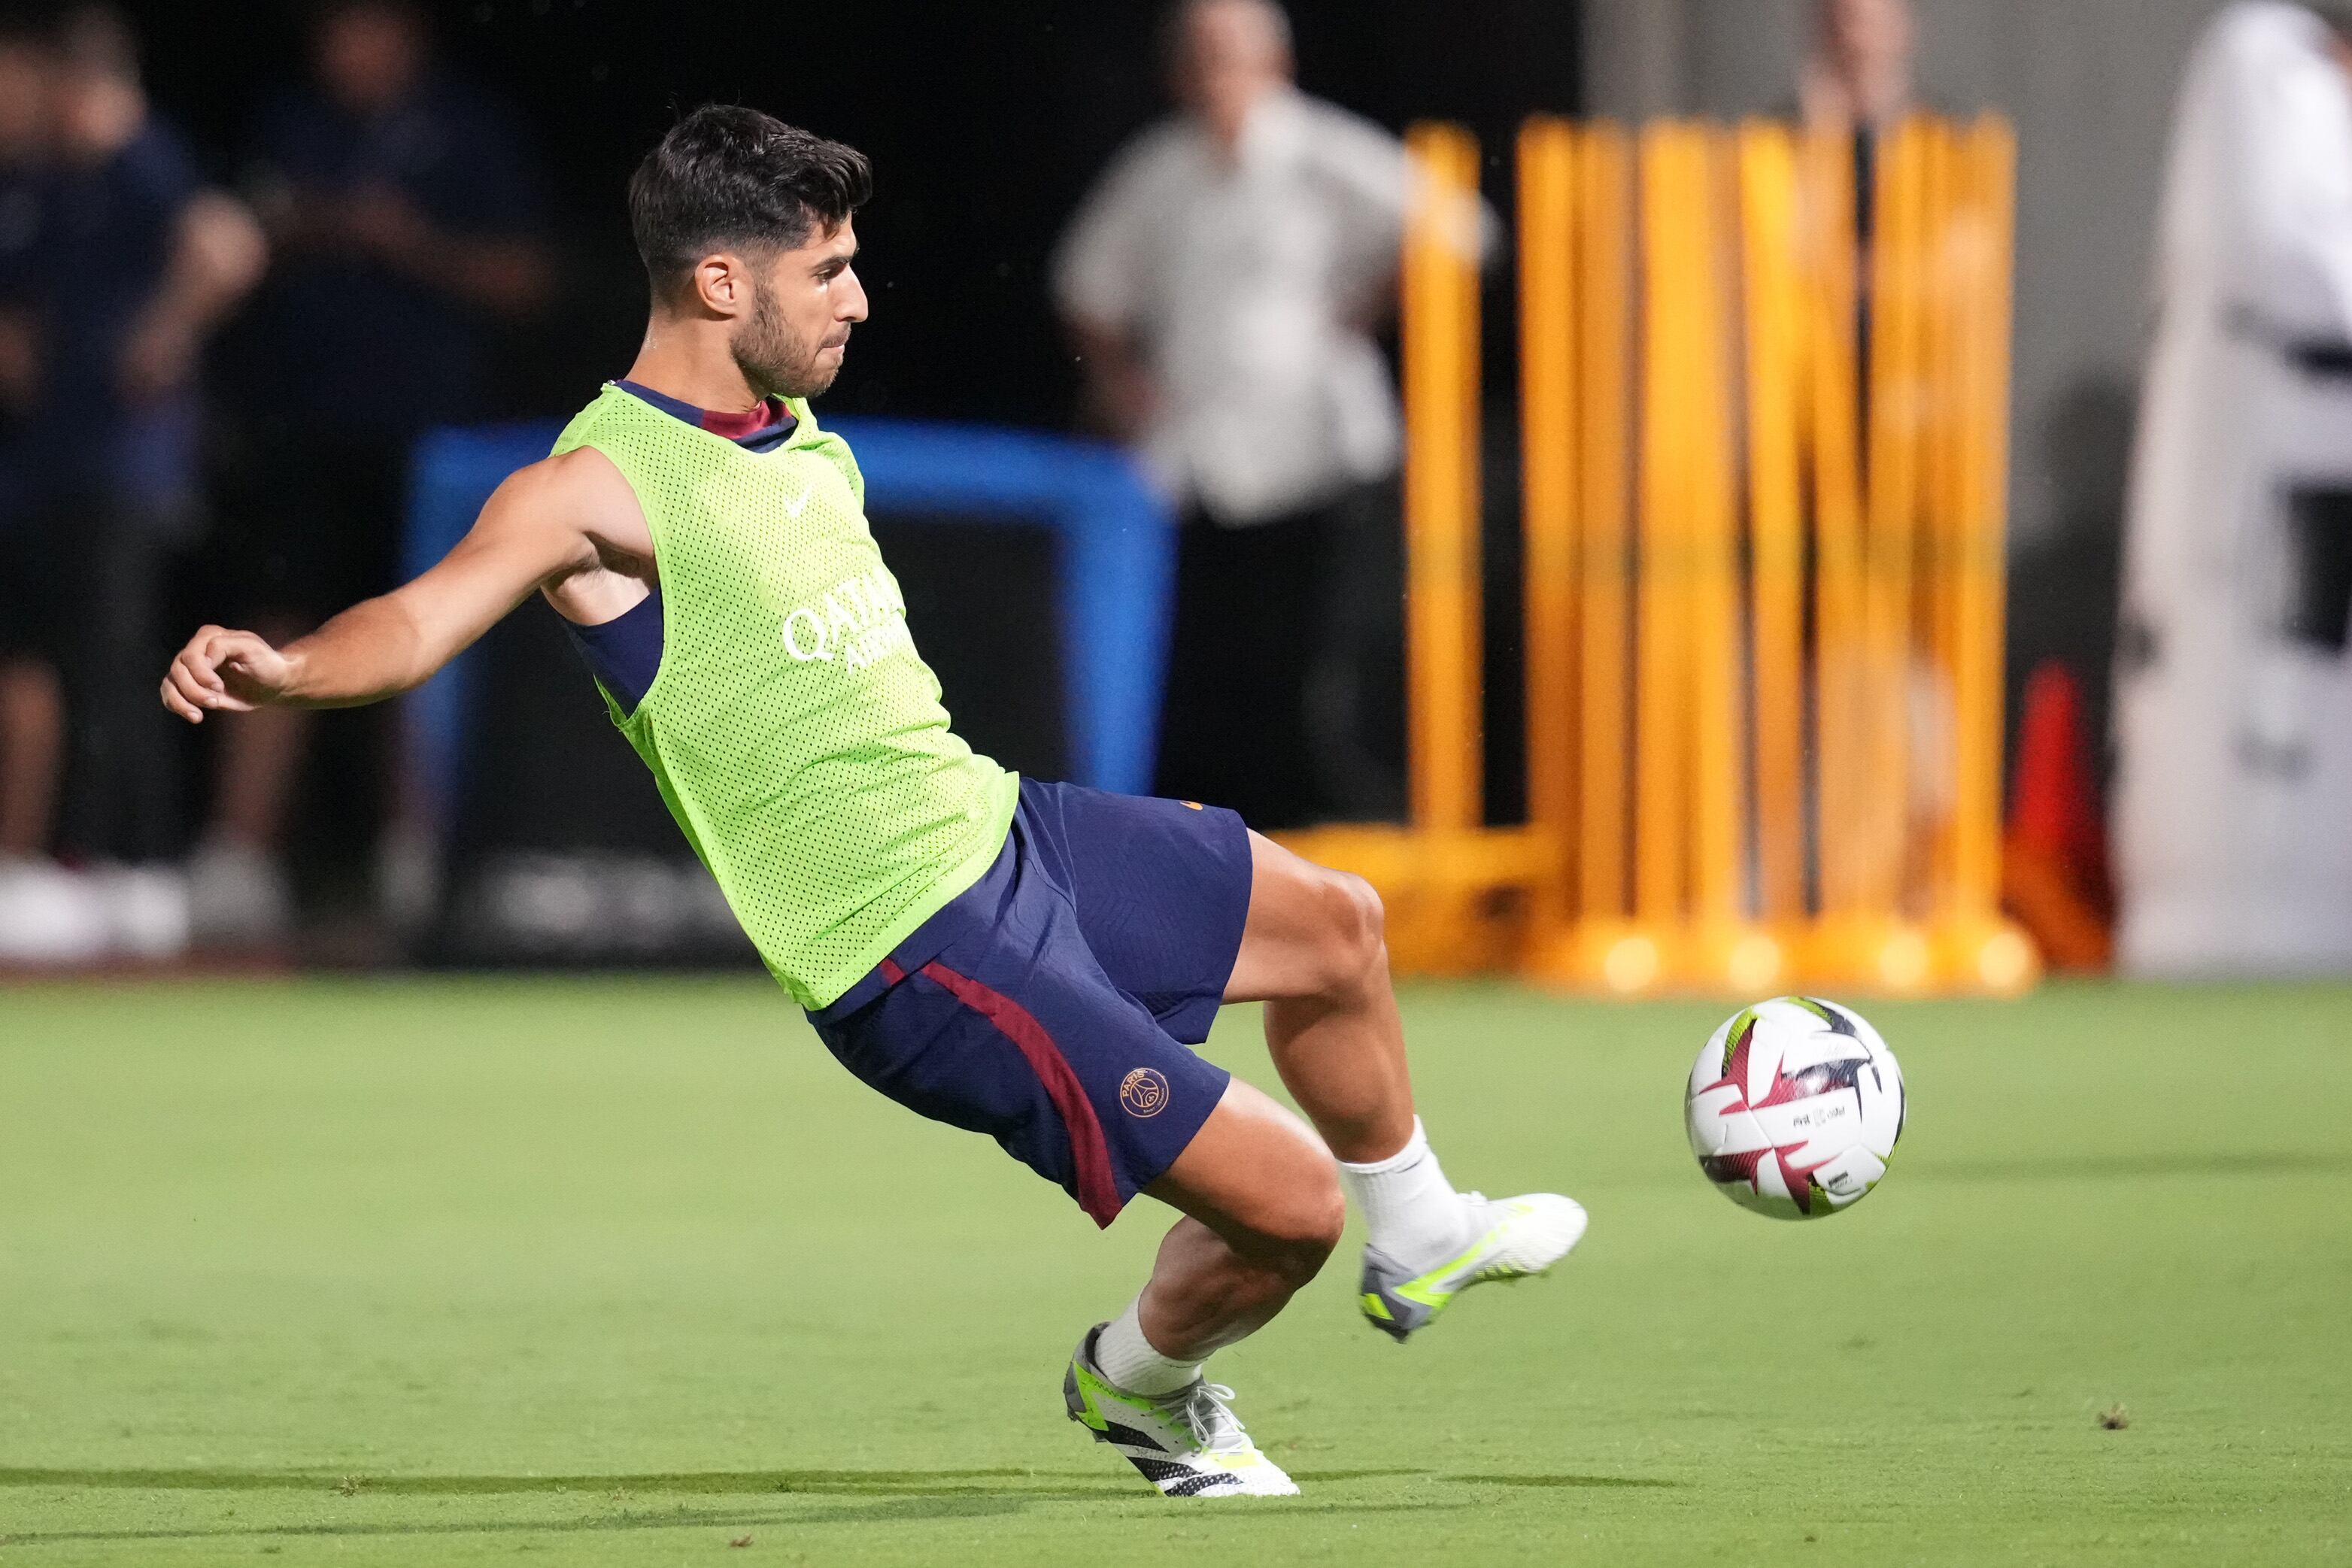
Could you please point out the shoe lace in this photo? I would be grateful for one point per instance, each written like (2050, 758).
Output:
(1214, 1427)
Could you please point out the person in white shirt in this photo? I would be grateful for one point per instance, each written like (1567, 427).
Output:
(1221, 281)
(2234, 796)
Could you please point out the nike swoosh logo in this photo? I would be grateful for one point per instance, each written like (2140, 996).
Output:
(794, 509)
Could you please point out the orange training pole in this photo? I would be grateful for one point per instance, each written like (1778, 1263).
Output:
(1990, 162)
(1604, 258)
(1941, 503)
(1897, 394)
(1547, 401)
(1440, 337)
(1833, 399)
(1775, 307)
(1672, 192)
(1712, 628)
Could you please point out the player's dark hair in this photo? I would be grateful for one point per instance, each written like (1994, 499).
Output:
(730, 176)
(2337, 14)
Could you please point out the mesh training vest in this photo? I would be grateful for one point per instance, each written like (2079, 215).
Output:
(793, 729)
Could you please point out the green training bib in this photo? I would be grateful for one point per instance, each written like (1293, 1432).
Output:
(793, 731)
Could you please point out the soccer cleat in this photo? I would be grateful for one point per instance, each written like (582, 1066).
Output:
(1518, 1238)
(1186, 1443)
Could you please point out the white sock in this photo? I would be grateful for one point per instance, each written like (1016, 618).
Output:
(1411, 1210)
(1129, 1360)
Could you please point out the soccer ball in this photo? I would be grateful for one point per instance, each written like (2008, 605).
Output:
(1794, 1107)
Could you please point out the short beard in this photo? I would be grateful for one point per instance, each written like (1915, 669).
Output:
(776, 360)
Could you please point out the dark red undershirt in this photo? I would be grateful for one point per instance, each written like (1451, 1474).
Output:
(760, 429)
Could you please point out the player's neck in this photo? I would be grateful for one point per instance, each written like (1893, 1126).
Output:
(693, 367)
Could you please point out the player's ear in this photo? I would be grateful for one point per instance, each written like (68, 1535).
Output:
(722, 283)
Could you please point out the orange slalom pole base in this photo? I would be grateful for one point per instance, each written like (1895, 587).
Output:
(1627, 958)
(1984, 955)
(1743, 961)
(1456, 900)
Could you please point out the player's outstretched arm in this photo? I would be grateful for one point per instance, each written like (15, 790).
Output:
(543, 525)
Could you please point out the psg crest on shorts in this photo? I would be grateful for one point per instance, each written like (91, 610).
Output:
(1143, 1093)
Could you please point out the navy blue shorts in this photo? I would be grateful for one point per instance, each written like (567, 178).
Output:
(1052, 1006)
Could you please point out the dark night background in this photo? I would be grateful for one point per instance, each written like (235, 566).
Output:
(984, 122)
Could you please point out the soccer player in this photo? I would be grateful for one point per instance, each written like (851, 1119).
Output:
(1024, 959)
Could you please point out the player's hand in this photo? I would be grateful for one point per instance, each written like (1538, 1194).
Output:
(225, 672)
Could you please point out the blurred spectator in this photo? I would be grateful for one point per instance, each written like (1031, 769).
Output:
(131, 266)
(2233, 691)
(45, 914)
(1857, 76)
(407, 220)
(1857, 82)
(1221, 280)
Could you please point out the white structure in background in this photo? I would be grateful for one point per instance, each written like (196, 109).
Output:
(2233, 803)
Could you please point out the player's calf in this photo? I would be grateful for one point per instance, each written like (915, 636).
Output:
(1315, 953)
(1263, 1211)
(1216, 1283)
(1143, 1391)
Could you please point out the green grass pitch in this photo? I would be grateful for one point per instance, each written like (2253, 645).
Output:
(629, 1272)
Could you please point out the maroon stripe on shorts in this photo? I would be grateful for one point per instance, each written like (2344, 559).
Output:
(1090, 1154)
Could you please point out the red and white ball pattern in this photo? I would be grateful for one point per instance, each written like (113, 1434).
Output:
(1794, 1108)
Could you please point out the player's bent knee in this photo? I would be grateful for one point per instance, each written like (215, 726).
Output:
(1368, 918)
(1293, 1221)
(1327, 1217)
(1259, 1176)
(1355, 942)
(1313, 932)
(1297, 1235)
